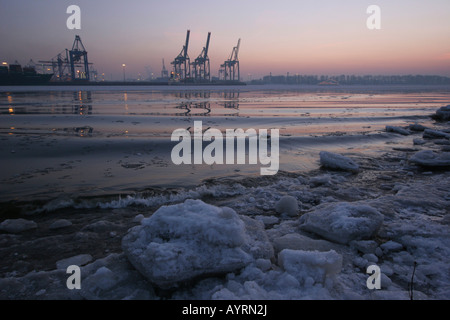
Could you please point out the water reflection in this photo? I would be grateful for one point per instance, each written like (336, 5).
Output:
(188, 106)
(83, 131)
(231, 99)
(86, 102)
(194, 100)
(50, 102)
(82, 103)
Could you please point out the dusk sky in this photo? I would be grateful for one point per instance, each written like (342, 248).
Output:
(296, 36)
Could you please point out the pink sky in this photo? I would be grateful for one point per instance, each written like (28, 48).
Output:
(304, 37)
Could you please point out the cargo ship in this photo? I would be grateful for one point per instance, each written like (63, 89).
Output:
(15, 75)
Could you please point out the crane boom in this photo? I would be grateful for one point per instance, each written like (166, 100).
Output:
(207, 46)
(237, 49)
(187, 44)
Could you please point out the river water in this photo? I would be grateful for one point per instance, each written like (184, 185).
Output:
(97, 140)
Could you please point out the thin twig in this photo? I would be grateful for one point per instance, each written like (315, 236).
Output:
(411, 284)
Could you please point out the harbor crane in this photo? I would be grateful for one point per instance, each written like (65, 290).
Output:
(230, 68)
(78, 54)
(164, 72)
(70, 65)
(181, 64)
(201, 64)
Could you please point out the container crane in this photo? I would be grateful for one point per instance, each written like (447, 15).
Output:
(78, 54)
(181, 64)
(230, 68)
(164, 72)
(201, 64)
(67, 64)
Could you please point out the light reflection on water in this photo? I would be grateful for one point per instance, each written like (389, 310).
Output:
(95, 140)
(296, 112)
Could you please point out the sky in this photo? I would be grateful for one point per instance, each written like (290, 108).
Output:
(278, 36)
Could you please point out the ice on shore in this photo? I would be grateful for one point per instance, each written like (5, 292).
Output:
(310, 266)
(296, 241)
(343, 222)
(17, 225)
(287, 205)
(109, 278)
(337, 162)
(60, 223)
(428, 158)
(413, 230)
(78, 260)
(443, 113)
(435, 134)
(301, 275)
(399, 130)
(417, 127)
(181, 242)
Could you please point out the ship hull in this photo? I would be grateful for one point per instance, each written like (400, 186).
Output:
(23, 79)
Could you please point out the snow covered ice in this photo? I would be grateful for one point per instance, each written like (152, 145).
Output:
(17, 225)
(337, 162)
(428, 158)
(181, 242)
(287, 205)
(343, 222)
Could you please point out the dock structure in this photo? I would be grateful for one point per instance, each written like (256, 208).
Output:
(70, 65)
(229, 70)
(182, 63)
(201, 65)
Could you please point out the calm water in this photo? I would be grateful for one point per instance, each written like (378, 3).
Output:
(100, 140)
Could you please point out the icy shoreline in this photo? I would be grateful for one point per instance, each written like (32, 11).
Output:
(392, 213)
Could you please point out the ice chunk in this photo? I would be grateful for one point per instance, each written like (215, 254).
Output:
(187, 240)
(397, 130)
(443, 114)
(60, 223)
(296, 241)
(435, 134)
(428, 158)
(267, 220)
(310, 264)
(320, 180)
(138, 218)
(419, 142)
(287, 205)
(370, 257)
(100, 226)
(365, 246)
(337, 162)
(113, 278)
(17, 225)
(343, 222)
(78, 260)
(416, 127)
(391, 246)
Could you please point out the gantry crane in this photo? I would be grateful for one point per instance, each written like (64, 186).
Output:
(230, 68)
(78, 54)
(201, 64)
(181, 64)
(164, 72)
(70, 65)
